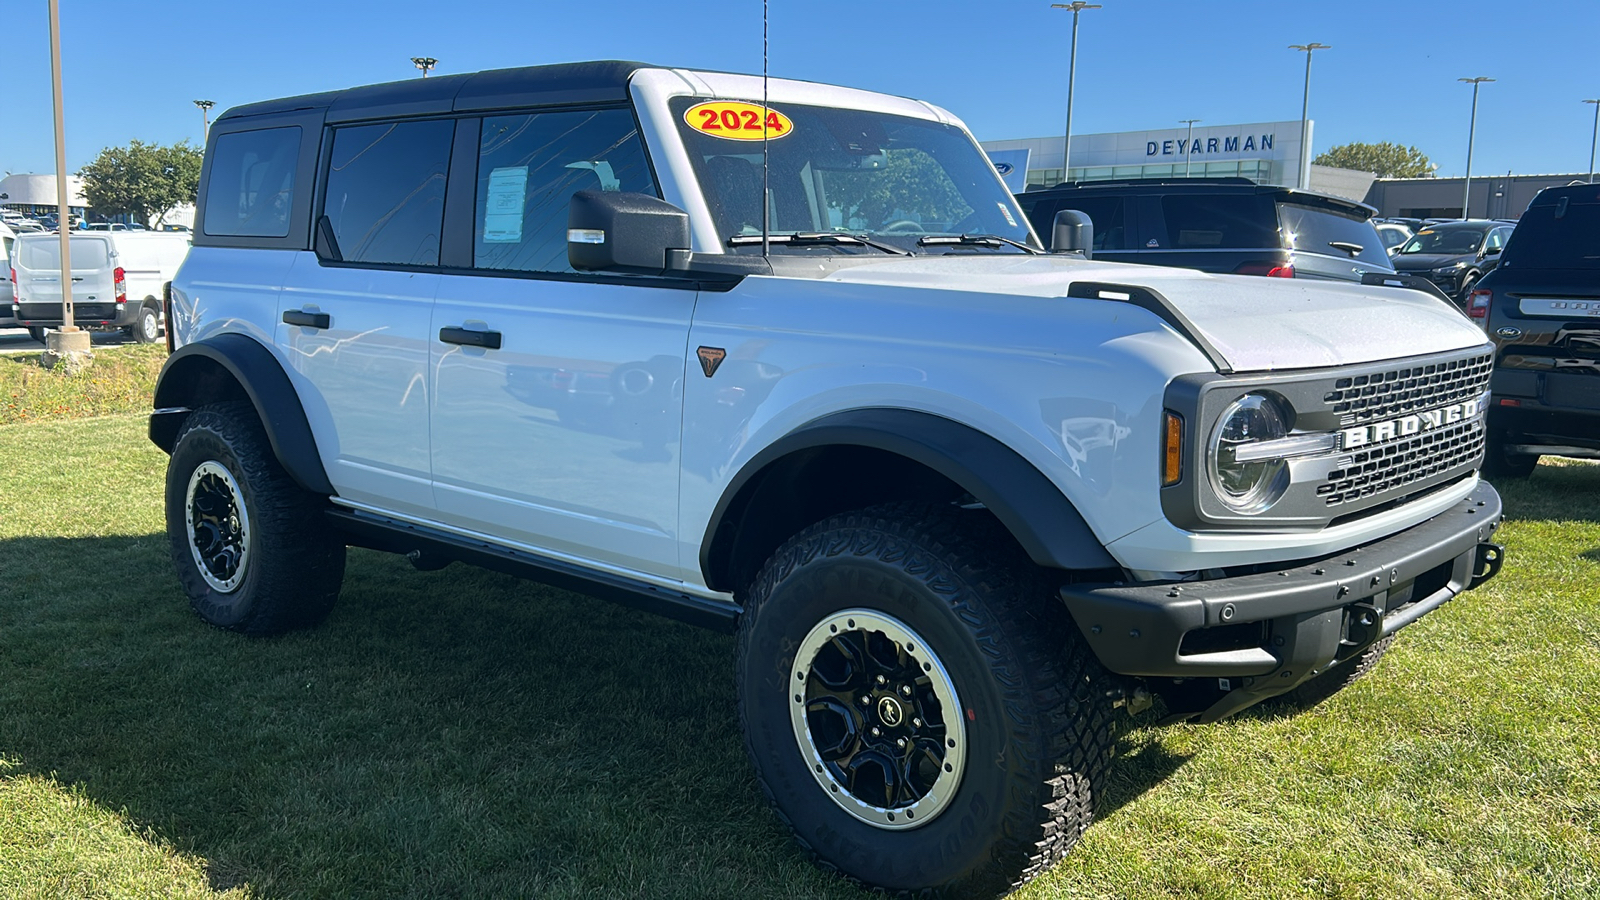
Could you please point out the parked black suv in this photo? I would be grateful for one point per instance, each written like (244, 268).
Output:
(1541, 306)
(1220, 225)
(1454, 255)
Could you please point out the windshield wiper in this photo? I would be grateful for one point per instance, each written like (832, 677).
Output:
(975, 240)
(1347, 246)
(817, 237)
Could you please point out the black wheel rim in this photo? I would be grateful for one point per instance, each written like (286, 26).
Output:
(877, 719)
(218, 526)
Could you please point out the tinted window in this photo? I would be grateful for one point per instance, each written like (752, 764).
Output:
(1565, 235)
(1313, 229)
(1110, 231)
(528, 169)
(1203, 222)
(1497, 240)
(385, 196)
(251, 189)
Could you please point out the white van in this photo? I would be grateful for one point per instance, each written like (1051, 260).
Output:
(117, 279)
(7, 237)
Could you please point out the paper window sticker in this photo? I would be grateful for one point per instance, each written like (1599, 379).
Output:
(602, 170)
(1004, 211)
(505, 204)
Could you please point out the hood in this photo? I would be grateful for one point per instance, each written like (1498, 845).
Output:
(1416, 262)
(1255, 324)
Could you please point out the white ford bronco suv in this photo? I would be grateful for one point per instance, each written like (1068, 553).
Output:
(788, 360)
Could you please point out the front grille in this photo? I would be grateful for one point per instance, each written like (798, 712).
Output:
(1428, 456)
(1383, 395)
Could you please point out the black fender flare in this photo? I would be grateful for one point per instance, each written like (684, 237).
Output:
(263, 382)
(1042, 519)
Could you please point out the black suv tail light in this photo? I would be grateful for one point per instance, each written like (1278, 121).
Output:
(1478, 303)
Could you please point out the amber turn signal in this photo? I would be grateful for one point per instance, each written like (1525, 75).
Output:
(1171, 449)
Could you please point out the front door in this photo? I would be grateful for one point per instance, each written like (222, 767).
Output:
(354, 319)
(558, 396)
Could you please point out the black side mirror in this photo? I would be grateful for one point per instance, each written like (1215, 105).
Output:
(1072, 232)
(324, 243)
(625, 232)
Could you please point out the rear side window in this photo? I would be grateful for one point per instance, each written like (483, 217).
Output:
(251, 188)
(1563, 235)
(1219, 221)
(529, 166)
(1312, 229)
(385, 194)
(1110, 231)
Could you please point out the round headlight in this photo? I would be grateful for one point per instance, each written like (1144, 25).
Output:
(1248, 487)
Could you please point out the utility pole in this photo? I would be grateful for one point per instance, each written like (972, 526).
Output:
(68, 345)
(425, 63)
(205, 118)
(1472, 130)
(1305, 114)
(1187, 153)
(1595, 139)
(1077, 6)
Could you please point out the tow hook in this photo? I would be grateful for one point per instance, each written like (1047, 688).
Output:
(1487, 564)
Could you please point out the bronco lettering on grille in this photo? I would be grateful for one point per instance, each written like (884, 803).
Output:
(1378, 432)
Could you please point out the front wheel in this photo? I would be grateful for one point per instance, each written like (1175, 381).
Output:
(921, 712)
(254, 551)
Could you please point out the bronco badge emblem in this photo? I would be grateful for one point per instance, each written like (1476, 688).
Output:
(889, 712)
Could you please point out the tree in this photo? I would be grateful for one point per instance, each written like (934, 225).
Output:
(1386, 159)
(142, 180)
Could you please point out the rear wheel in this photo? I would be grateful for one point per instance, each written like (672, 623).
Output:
(253, 550)
(146, 329)
(920, 711)
(36, 333)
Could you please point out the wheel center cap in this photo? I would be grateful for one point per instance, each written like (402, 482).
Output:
(889, 712)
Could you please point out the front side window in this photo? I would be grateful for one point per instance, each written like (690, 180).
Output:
(895, 179)
(385, 194)
(251, 188)
(529, 166)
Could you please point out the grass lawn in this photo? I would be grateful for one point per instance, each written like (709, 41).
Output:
(462, 734)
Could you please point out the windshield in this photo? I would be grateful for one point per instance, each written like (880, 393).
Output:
(1561, 235)
(892, 178)
(1453, 241)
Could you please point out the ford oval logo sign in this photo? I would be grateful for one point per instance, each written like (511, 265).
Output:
(1004, 168)
(1508, 332)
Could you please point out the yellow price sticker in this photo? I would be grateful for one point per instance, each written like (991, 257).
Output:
(735, 120)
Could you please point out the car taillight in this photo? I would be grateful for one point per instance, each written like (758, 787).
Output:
(1478, 304)
(119, 280)
(1269, 269)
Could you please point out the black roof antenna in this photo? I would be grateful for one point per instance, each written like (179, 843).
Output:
(766, 199)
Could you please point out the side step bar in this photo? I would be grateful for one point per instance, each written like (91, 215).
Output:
(381, 533)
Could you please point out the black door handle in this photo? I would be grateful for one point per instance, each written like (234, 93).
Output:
(489, 340)
(306, 319)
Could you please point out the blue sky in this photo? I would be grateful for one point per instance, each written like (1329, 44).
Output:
(133, 68)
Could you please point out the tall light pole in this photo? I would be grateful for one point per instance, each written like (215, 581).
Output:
(425, 63)
(1077, 6)
(1190, 151)
(1472, 130)
(1305, 114)
(1594, 140)
(205, 117)
(69, 343)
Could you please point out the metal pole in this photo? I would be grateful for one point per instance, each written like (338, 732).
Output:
(1304, 179)
(63, 211)
(1472, 130)
(425, 63)
(1190, 144)
(205, 118)
(1076, 6)
(1595, 139)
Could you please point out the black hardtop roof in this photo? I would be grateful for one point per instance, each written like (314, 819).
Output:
(1228, 185)
(1582, 193)
(603, 81)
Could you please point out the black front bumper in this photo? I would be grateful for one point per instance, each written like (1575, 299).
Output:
(1261, 634)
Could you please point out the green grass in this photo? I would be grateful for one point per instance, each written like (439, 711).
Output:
(463, 734)
(122, 379)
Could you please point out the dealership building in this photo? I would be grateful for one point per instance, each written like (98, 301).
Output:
(1264, 152)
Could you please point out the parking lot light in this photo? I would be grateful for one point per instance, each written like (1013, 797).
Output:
(1595, 139)
(1472, 130)
(425, 63)
(1190, 152)
(1305, 113)
(1077, 6)
(205, 117)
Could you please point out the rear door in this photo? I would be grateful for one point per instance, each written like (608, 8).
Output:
(1111, 214)
(38, 259)
(354, 325)
(1234, 231)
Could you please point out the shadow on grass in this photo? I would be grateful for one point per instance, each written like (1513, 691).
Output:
(449, 733)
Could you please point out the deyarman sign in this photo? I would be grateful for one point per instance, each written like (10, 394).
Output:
(1209, 146)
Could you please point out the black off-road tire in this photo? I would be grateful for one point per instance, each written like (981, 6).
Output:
(1319, 688)
(1036, 705)
(294, 561)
